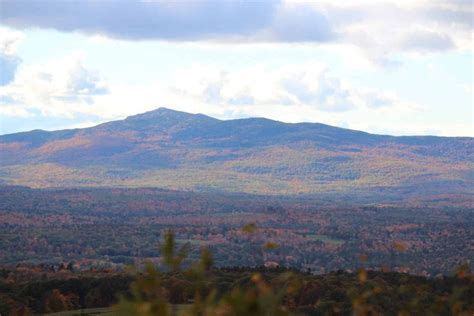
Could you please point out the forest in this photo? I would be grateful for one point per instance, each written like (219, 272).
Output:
(171, 287)
(112, 228)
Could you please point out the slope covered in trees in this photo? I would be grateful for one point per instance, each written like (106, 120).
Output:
(176, 150)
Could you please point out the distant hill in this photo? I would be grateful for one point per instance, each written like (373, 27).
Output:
(176, 150)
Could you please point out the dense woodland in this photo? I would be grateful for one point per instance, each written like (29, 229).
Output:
(110, 228)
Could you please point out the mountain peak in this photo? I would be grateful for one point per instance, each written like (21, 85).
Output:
(160, 112)
(166, 114)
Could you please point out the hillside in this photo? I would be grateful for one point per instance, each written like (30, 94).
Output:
(177, 150)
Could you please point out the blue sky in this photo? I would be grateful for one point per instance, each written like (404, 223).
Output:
(391, 67)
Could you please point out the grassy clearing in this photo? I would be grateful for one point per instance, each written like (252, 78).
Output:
(325, 239)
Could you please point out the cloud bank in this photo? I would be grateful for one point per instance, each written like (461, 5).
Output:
(175, 21)
(380, 27)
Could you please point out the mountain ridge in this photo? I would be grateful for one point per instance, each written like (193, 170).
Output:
(164, 110)
(178, 150)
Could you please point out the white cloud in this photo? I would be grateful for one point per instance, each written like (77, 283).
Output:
(308, 84)
(9, 40)
(13, 111)
(386, 28)
(9, 60)
(468, 88)
(59, 88)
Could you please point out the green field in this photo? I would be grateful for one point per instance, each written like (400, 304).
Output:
(325, 239)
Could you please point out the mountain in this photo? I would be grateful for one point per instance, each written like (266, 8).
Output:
(176, 150)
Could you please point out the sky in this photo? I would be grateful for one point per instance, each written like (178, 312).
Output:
(388, 67)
